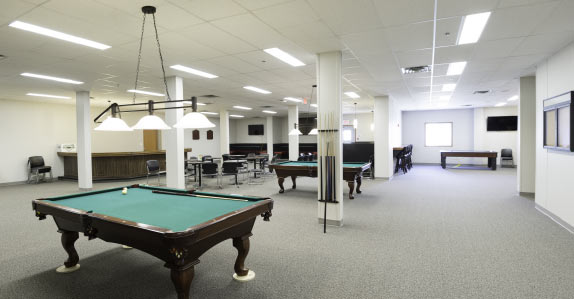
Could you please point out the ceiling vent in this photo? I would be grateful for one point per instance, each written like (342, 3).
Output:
(467, 105)
(416, 69)
(209, 96)
(2, 57)
(266, 107)
(481, 91)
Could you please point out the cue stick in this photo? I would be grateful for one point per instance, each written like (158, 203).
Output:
(196, 195)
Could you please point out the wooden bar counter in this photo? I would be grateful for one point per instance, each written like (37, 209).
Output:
(114, 166)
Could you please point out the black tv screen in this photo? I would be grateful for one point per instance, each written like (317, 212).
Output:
(255, 129)
(502, 123)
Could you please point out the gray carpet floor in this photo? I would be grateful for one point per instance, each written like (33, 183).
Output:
(432, 233)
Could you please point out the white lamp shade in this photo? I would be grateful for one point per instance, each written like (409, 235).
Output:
(314, 132)
(295, 132)
(151, 122)
(194, 120)
(113, 124)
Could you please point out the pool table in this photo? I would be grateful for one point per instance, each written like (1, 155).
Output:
(176, 226)
(351, 172)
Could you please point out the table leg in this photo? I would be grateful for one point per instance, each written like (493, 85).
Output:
(181, 279)
(242, 246)
(359, 182)
(280, 180)
(493, 163)
(68, 240)
(351, 188)
(443, 162)
(294, 179)
(199, 174)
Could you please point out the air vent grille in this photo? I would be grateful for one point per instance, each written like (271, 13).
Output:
(416, 69)
(266, 107)
(481, 91)
(209, 96)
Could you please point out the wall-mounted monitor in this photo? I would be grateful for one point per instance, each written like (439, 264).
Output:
(558, 126)
(502, 123)
(255, 129)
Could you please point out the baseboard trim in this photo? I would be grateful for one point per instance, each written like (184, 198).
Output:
(85, 189)
(555, 218)
(331, 222)
(26, 182)
(527, 194)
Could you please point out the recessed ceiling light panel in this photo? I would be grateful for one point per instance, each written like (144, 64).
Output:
(192, 71)
(46, 95)
(455, 68)
(284, 56)
(292, 99)
(149, 93)
(58, 35)
(242, 107)
(472, 28)
(63, 80)
(259, 90)
(352, 94)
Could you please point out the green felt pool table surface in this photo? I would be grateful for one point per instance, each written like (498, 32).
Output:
(141, 205)
(314, 164)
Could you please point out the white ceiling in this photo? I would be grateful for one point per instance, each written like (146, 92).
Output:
(226, 38)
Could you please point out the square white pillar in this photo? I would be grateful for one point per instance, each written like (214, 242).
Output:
(526, 155)
(329, 117)
(84, 140)
(382, 136)
(269, 134)
(224, 132)
(292, 119)
(175, 163)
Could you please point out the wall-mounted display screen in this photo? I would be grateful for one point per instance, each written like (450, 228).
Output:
(558, 127)
(255, 129)
(502, 123)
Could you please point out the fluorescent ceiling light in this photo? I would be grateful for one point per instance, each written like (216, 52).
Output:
(284, 56)
(235, 115)
(500, 104)
(291, 99)
(210, 113)
(269, 112)
(314, 105)
(192, 71)
(472, 28)
(46, 95)
(149, 93)
(448, 87)
(242, 107)
(63, 80)
(352, 94)
(58, 35)
(455, 68)
(259, 90)
(513, 98)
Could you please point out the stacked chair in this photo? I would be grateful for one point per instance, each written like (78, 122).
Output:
(404, 159)
(36, 167)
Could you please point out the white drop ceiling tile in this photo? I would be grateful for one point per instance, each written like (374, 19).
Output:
(348, 16)
(19, 40)
(235, 64)
(452, 8)
(546, 43)
(258, 4)
(508, 3)
(414, 58)
(291, 74)
(418, 82)
(210, 9)
(11, 10)
(559, 20)
(447, 31)
(305, 31)
(216, 38)
(517, 63)
(366, 42)
(250, 29)
(483, 65)
(322, 45)
(516, 21)
(496, 48)
(453, 54)
(267, 76)
(411, 36)
(261, 60)
(287, 14)
(439, 80)
(394, 13)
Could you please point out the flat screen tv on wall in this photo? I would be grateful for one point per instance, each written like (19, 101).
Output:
(255, 129)
(502, 123)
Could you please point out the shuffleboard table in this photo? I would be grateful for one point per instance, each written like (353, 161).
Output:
(176, 226)
(491, 155)
(351, 172)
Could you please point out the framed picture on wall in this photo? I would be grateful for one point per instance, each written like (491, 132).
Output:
(558, 127)
(209, 135)
(195, 135)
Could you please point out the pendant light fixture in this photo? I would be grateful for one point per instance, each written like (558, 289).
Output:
(194, 119)
(151, 122)
(295, 131)
(314, 131)
(355, 121)
(113, 123)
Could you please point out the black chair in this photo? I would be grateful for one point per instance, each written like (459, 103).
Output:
(153, 169)
(36, 167)
(207, 158)
(401, 163)
(231, 168)
(210, 169)
(225, 157)
(506, 156)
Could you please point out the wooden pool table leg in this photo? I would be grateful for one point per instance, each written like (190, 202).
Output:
(242, 246)
(280, 180)
(294, 179)
(351, 188)
(359, 182)
(181, 278)
(68, 240)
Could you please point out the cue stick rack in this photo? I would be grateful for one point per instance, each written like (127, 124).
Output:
(326, 163)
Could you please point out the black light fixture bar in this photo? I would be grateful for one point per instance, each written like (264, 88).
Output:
(115, 108)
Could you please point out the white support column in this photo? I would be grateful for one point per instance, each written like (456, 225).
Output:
(382, 134)
(293, 118)
(329, 113)
(526, 155)
(269, 133)
(175, 172)
(224, 132)
(84, 139)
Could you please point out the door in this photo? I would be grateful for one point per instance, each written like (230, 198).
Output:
(150, 138)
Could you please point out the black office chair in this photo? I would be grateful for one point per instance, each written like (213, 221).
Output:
(506, 156)
(36, 167)
(207, 158)
(231, 168)
(225, 157)
(210, 169)
(153, 169)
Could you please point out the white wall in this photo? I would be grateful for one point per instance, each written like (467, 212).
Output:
(203, 146)
(238, 128)
(396, 124)
(554, 170)
(414, 133)
(364, 121)
(494, 141)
